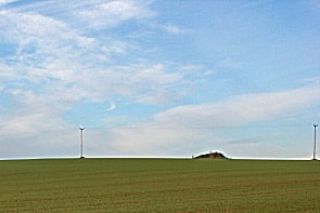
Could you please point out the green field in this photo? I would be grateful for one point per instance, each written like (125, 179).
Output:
(159, 185)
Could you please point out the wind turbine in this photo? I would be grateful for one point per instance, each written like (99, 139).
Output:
(315, 142)
(81, 141)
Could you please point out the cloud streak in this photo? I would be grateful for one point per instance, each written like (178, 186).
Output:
(243, 109)
(91, 14)
(7, 1)
(112, 107)
(204, 125)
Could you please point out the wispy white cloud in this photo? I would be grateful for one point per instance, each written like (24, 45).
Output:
(173, 29)
(92, 13)
(112, 13)
(55, 64)
(69, 87)
(242, 109)
(7, 1)
(203, 125)
(112, 107)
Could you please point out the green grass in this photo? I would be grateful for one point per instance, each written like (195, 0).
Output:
(155, 185)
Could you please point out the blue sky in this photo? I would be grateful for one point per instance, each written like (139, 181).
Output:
(159, 78)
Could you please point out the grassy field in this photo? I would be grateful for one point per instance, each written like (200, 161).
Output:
(159, 185)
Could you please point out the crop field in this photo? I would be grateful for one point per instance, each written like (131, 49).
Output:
(159, 185)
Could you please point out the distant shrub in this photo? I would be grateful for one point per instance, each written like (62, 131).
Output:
(214, 155)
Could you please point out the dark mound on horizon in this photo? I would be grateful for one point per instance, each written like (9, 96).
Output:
(212, 155)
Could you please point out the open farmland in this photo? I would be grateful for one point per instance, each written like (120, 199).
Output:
(159, 185)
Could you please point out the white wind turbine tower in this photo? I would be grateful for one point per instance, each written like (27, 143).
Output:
(315, 142)
(81, 141)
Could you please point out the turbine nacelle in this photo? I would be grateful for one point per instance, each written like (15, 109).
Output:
(81, 128)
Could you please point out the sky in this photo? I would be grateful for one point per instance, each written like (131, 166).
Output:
(151, 78)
